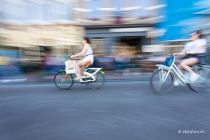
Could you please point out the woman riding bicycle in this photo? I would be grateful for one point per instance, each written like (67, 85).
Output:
(195, 52)
(88, 59)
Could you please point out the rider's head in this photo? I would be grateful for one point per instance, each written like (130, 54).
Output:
(86, 40)
(196, 35)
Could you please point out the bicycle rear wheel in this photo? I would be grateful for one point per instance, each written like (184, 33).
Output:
(161, 87)
(99, 82)
(203, 82)
(63, 81)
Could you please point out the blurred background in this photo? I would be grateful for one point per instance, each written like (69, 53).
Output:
(128, 36)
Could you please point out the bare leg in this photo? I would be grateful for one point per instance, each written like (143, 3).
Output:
(176, 82)
(85, 63)
(187, 63)
(180, 67)
(82, 70)
(78, 67)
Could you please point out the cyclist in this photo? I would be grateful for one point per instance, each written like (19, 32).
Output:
(88, 59)
(195, 53)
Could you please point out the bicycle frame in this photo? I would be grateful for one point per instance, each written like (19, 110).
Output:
(174, 69)
(180, 75)
(87, 74)
(90, 75)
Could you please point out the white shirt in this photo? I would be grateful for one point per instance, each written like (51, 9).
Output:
(89, 51)
(88, 56)
(194, 46)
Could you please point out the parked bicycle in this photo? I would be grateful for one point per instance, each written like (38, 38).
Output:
(94, 78)
(162, 79)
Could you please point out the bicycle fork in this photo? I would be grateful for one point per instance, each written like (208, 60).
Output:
(163, 75)
(64, 79)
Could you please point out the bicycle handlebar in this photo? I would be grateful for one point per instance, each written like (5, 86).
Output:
(74, 58)
(175, 54)
(180, 53)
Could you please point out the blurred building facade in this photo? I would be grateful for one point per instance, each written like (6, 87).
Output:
(115, 26)
(181, 19)
(120, 26)
(28, 26)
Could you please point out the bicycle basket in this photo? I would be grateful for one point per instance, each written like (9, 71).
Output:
(69, 64)
(169, 60)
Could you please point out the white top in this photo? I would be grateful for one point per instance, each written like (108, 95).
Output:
(193, 46)
(89, 51)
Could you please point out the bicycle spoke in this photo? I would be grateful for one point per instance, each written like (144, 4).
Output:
(160, 83)
(63, 81)
(203, 82)
(99, 81)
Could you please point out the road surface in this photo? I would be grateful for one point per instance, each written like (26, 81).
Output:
(119, 111)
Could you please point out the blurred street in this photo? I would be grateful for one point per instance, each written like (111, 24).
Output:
(119, 111)
(125, 40)
(110, 76)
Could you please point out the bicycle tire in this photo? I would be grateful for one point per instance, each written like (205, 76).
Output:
(201, 85)
(92, 85)
(168, 89)
(68, 81)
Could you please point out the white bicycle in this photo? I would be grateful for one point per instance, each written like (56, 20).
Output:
(94, 78)
(161, 81)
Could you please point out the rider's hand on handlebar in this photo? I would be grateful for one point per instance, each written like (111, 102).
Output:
(181, 53)
(73, 56)
(175, 53)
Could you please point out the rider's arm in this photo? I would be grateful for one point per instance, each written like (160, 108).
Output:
(183, 52)
(186, 48)
(81, 53)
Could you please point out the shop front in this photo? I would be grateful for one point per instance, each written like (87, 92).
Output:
(112, 39)
(34, 42)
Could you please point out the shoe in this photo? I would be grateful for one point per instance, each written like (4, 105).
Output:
(194, 77)
(77, 78)
(82, 77)
(176, 83)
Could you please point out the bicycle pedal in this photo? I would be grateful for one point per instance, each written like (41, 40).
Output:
(87, 81)
(89, 78)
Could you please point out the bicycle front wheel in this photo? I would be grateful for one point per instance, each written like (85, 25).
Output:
(99, 82)
(63, 81)
(161, 86)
